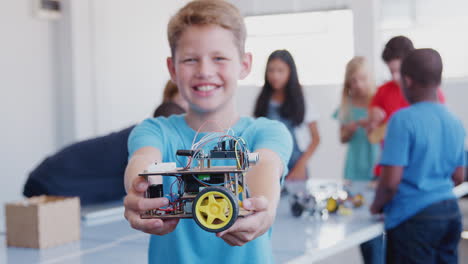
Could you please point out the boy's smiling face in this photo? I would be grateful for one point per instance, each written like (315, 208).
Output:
(206, 67)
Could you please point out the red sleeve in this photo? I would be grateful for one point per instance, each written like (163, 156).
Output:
(441, 96)
(377, 99)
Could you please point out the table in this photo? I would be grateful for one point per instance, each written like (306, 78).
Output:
(112, 242)
(309, 239)
(295, 240)
(305, 240)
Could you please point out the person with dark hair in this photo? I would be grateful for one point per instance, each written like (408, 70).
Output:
(389, 97)
(282, 99)
(92, 169)
(168, 108)
(423, 158)
(395, 50)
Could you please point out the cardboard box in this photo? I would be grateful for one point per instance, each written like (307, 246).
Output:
(42, 221)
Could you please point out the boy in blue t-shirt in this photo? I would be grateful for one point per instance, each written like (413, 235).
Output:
(207, 59)
(422, 160)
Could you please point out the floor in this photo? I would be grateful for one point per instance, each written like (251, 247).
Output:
(355, 255)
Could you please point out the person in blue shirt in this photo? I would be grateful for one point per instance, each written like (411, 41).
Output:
(422, 160)
(207, 59)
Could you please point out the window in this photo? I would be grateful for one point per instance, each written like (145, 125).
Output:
(441, 25)
(320, 42)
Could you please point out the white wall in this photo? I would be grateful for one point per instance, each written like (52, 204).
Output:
(27, 76)
(113, 57)
(456, 93)
(366, 34)
(268, 7)
(131, 48)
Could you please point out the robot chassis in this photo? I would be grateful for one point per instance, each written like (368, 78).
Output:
(211, 195)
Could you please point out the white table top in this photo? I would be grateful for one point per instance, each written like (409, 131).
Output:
(295, 240)
(309, 239)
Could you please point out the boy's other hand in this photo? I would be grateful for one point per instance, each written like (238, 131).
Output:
(135, 204)
(248, 228)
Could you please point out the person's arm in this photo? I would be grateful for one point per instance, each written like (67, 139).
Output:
(395, 157)
(135, 203)
(139, 161)
(458, 176)
(273, 142)
(347, 131)
(387, 187)
(263, 181)
(298, 172)
(376, 116)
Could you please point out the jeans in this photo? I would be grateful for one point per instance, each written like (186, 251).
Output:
(373, 251)
(431, 236)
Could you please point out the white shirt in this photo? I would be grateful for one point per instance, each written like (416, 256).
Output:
(302, 132)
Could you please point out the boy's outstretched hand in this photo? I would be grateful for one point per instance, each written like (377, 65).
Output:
(248, 228)
(135, 204)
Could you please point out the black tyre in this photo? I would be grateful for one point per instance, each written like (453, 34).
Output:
(297, 209)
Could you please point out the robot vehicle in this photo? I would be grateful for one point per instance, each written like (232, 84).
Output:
(211, 195)
(327, 199)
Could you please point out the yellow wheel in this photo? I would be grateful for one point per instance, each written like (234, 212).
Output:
(215, 209)
(332, 205)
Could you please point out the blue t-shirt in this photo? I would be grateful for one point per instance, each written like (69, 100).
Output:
(188, 243)
(428, 141)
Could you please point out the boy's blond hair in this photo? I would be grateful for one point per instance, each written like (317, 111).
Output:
(207, 12)
(355, 65)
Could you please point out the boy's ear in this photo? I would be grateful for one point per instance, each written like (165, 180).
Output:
(171, 68)
(246, 65)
